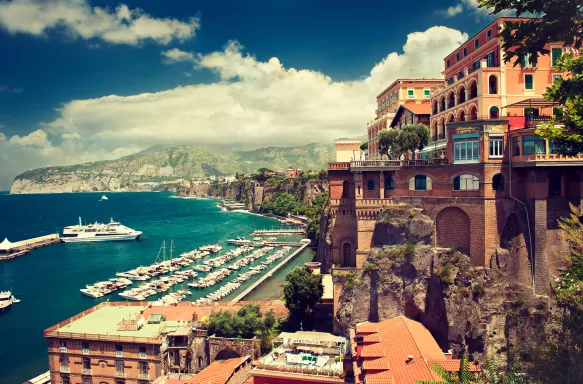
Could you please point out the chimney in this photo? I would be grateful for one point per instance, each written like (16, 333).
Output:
(410, 359)
(448, 355)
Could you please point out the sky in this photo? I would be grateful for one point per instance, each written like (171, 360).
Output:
(88, 80)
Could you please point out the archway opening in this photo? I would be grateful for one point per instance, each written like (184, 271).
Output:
(345, 189)
(451, 100)
(434, 107)
(555, 187)
(347, 258)
(493, 85)
(473, 113)
(462, 116)
(461, 95)
(442, 104)
(498, 182)
(227, 354)
(473, 90)
(494, 112)
(452, 229)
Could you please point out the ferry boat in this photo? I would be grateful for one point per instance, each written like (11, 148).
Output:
(111, 231)
(6, 300)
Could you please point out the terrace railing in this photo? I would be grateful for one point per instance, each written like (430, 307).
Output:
(396, 163)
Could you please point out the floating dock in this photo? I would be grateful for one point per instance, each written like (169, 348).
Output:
(9, 250)
(268, 275)
(279, 232)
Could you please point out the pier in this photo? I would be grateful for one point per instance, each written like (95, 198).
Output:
(268, 275)
(9, 250)
(279, 232)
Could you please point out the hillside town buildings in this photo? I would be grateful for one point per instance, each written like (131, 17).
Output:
(486, 178)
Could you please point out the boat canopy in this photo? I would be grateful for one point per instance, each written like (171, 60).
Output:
(6, 245)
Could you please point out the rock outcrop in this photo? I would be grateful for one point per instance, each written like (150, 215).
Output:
(466, 308)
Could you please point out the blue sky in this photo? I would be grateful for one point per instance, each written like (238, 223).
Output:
(88, 80)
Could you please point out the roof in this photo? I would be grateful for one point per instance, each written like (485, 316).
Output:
(311, 337)
(44, 378)
(219, 372)
(408, 348)
(411, 81)
(454, 365)
(417, 109)
(6, 245)
(535, 102)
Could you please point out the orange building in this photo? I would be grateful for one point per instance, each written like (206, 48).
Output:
(398, 351)
(486, 180)
(402, 91)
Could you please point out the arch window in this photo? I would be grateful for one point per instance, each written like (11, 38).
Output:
(473, 90)
(462, 116)
(494, 112)
(462, 95)
(466, 183)
(473, 113)
(434, 108)
(442, 104)
(420, 183)
(493, 85)
(451, 100)
(498, 182)
(347, 255)
(370, 185)
(345, 189)
(390, 183)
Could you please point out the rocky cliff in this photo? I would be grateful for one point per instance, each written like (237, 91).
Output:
(466, 308)
(167, 169)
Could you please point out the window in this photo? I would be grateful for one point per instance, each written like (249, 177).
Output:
(494, 112)
(531, 113)
(142, 352)
(526, 62)
(426, 93)
(118, 350)
(515, 147)
(489, 35)
(459, 75)
(420, 183)
(533, 144)
(448, 63)
(556, 77)
(490, 59)
(498, 182)
(529, 81)
(457, 56)
(143, 368)
(119, 366)
(370, 185)
(466, 151)
(465, 51)
(493, 85)
(86, 363)
(63, 347)
(85, 347)
(556, 54)
(477, 43)
(64, 361)
(390, 183)
(410, 93)
(65, 380)
(466, 183)
(496, 146)
(476, 65)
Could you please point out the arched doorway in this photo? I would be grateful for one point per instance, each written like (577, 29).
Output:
(494, 112)
(227, 353)
(345, 189)
(498, 182)
(452, 229)
(555, 187)
(348, 260)
(473, 113)
(462, 116)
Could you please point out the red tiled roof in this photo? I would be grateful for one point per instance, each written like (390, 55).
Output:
(367, 328)
(372, 338)
(372, 352)
(419, 109)
(408, 350)
(219, 372)
(454, 365)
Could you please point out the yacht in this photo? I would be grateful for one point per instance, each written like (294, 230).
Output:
(6, 300)
(98, 232)
(103, 197)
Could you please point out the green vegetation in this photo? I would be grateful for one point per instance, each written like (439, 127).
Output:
(364, 146)
(281, 205)
(246, 323)
(557, 21)
(396, 142)
(314, 213)
(302, 291)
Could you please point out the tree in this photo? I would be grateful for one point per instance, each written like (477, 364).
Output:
(419, 134)
(364, 146)
(314, 213)
(282, 204)
(302, 291)
(390, 143)
(559, 21)
(409, 138)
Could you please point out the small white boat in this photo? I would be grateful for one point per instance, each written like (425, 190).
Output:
(6, 300)
(103, 197)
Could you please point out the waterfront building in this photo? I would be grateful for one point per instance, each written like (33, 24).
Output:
(135, 342)
(399, 350)
(400, 92)
(486, 179)
(302, 358)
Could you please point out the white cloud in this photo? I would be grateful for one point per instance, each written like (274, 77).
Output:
(176, 55)
(255, 103)
(2, 136)
(78, 19)
(452, 11)
(187, 74)
(472, 7)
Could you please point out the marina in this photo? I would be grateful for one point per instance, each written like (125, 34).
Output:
(9, 250)
(279, 232)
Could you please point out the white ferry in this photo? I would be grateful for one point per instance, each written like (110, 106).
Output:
(111, 231)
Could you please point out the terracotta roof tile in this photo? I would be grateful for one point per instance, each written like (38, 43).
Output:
(419, 109)
(372, 352)
(372, 338)
(219, 372)
(454, 365)
(367, 328)
(381, 364)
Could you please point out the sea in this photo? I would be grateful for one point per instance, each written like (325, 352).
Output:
(47, 280)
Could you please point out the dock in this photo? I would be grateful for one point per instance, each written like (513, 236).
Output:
(279, 232)
(269, 274)
(9, 250)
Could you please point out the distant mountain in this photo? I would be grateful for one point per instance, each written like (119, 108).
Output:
(156, 167)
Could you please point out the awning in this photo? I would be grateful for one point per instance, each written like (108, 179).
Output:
(536, 102)
(6, 245)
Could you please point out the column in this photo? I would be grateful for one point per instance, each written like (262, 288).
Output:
(382, 185)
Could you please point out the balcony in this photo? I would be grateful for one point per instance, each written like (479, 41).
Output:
(86, 371)
(65, 369)
(370, 165)
(143, 355)
(145, 376)
(85, 351)
(118, 353)
(342, 166)
(63, 349)
(120, 374)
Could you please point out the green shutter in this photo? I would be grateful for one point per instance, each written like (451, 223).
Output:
(529, 81)
(556, 55)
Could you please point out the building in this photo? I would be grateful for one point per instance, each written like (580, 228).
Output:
(134, 342)
(401, 91)
(411, 114)
(486, 176)
(302, 358)
(291, 173)
(347, 149)
(398, 351)
(230, 371)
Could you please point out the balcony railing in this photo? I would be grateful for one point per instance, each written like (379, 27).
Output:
(86, 371)
(143, 375)
(533, 121)
(339, 166)
(118, 353)
(142, 355)
(85, 351)
(396, 163)
(120, 374)
(65, 369)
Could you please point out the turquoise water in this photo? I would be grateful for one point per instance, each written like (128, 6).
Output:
(47, 281)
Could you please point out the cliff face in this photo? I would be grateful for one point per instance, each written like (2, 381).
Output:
(166, 169)
(474, 309)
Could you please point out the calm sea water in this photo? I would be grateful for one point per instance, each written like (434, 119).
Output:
(47, 281)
